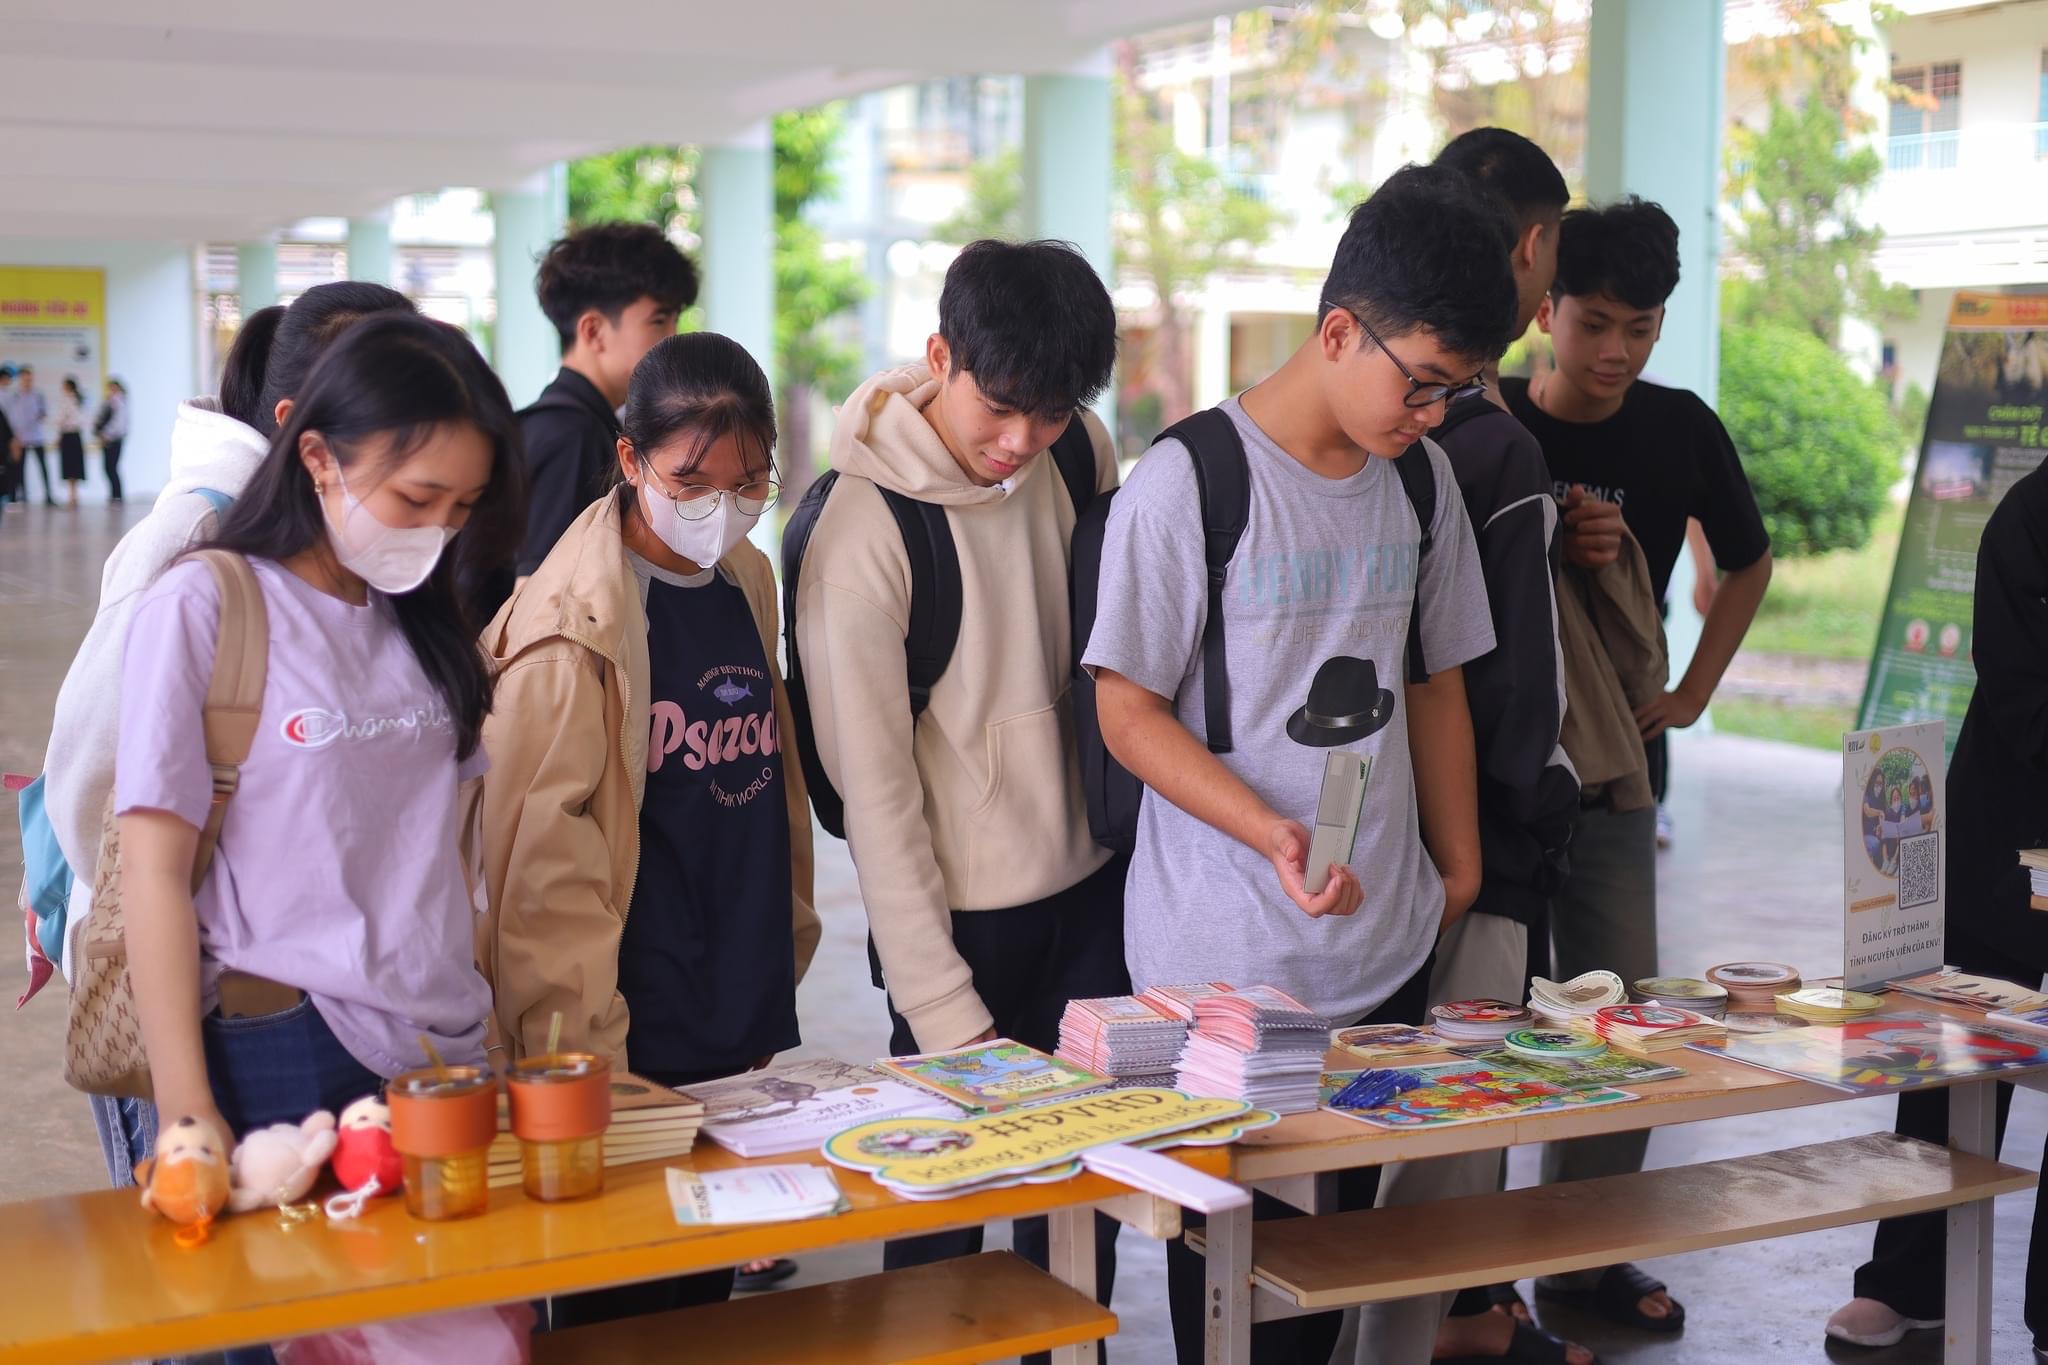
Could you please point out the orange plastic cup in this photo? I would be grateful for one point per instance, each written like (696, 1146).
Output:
(561, 1106)
(442, 1125)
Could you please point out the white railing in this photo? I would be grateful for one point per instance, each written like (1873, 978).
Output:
(1988, 146)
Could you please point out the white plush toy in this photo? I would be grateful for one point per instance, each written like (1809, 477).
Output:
(278, 1164)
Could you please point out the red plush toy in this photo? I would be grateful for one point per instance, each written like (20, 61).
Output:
(364, 1151)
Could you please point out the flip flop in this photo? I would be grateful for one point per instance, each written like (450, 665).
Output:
(1617, 1297)
(1507, 1298)
(753, 1282)
(1528, 1346)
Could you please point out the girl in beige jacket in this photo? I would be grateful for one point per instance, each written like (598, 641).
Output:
(647, 848)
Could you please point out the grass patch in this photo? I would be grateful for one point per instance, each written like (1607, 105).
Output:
(1816, 727)
(1828, 606)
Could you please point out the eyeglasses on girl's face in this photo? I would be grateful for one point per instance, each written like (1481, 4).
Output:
(696, 501)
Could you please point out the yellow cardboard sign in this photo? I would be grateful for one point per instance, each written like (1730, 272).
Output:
(937, 1154)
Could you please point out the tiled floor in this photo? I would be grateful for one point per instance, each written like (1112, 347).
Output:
(1755, 872)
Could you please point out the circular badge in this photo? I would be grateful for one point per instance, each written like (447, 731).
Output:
(1648, 1016)
(1560, 1042)
(1752, 976)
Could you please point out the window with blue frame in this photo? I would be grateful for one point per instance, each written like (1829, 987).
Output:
(1924, 137)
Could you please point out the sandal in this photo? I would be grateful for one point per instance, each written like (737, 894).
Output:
(1528, 1346)
(1618, 1298)
(1507, 1298)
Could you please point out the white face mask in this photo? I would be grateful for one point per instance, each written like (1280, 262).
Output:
(391, 559)
(703, 542)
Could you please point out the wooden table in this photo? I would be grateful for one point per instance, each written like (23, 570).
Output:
(92, 1277)
(1310, 1264)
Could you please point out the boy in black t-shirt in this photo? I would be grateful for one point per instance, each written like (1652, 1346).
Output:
(1626, 453)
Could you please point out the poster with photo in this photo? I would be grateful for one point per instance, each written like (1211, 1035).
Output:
(1984, 434)
(1894, 858)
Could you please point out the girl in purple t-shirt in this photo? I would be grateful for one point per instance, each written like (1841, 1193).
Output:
(336, 906)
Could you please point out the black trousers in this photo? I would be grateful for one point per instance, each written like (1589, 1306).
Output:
(1289, 1341)
(42, 472)
(110, 458)
(1028, 962)
(651, 1296)
(1908, 1266)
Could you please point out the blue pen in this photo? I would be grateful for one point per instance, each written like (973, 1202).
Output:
(1371, 1089)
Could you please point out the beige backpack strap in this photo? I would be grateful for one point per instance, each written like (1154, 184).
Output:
(234, 697)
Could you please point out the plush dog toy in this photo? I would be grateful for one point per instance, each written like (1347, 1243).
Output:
(186, 1178)
(364, 1151)
(278, 1164)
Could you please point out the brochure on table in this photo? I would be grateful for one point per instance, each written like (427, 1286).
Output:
(1892, 1051)
(1894, 855)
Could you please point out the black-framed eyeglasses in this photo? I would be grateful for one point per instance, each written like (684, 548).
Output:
(1421, 394)
(696, 501)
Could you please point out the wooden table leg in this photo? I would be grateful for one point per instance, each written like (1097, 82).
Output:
(1972, 1119)
(1073, 1264)
(1227, 1289)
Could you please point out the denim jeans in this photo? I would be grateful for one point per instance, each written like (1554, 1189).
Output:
(127, 1131)
(278, 1068)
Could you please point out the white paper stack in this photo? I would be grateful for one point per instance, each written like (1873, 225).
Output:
(1123, 1037)
(753, 1194)
(803, 1125)
(1573, 1003)
(1260, 1045)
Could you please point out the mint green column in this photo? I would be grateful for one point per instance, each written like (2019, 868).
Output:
(1067, 140)
(524, 348)
(1068, 136)
(256, 275)
(369, 248)
(1653, 128)
(736, 180)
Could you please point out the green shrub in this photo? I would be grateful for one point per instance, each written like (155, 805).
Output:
(1819, 443)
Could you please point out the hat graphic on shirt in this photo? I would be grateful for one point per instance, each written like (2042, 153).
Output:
(1345, 704)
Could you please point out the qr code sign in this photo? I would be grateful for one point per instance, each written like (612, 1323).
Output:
(1919, 870)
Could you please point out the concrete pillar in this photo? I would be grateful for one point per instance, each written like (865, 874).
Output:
(1067, 140)
(1068, 137)
(369, 248)
(256, 275)
(524, 348)
(1212, 351)
(736, 185)
(1653, 128)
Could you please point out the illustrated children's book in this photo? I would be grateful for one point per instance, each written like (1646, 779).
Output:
(1972, 992)
(779, 1089)
(1611, 1067)
(1467, 1092)
(1378, 1042)
(989, 1076)
(1886, 1052)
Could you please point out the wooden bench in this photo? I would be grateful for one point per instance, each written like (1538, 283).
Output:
(1334, 1260)
(972, 1309)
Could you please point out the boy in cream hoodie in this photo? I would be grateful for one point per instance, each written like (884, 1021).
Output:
(989, 905)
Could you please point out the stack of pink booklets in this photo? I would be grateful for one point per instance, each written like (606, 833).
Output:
(1123, 1037)
(1258, 1044)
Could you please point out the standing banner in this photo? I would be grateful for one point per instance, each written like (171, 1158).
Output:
(1894, 860)
(54, 319)
(1984, 434)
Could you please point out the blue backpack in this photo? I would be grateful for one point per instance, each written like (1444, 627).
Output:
(47, 878)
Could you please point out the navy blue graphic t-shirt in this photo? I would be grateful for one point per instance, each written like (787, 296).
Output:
(707, 960)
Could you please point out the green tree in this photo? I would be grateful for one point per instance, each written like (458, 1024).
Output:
(1819, 443)
(634, 185)
(995, 201)
(1805, 259)
(813, 286)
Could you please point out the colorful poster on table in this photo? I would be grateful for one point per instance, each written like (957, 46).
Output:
(54, 319)
(1894, 858)
(1984, 433)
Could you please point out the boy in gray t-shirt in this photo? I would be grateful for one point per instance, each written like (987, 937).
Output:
(1316, 603)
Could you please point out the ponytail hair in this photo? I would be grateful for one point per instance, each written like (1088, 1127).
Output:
(241, 379)
(305, 332)
(399, 376)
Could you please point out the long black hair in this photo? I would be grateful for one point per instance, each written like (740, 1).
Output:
(277, 347)
(399, 376)
(705, 385)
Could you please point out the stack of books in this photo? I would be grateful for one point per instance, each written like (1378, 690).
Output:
(650, 1122)
(2035, 861)
(1754, 987)
(1686, 992)
(1260, 1045)
(795, 1106)
(1124, 1038)
(1828, 1004)
(1468, 1021)
(985, 1077)
(1178, 1002)
(1648, 1029)
(1572, 1004)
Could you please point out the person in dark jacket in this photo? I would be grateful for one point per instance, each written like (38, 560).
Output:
(1528, 793)
(613, 291)
(1997, 805)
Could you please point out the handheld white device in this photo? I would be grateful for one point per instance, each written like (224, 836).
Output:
(1337, 809)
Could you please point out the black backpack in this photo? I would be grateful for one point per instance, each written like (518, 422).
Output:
(1223, 483)
(934, 626)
